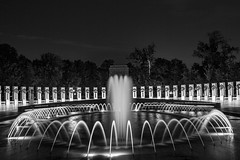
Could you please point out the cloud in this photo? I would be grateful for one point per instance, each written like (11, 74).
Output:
(27, 37)
(68, 42)
(84, 45)
(65, 42)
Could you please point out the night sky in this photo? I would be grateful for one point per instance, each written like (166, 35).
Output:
(96, 30)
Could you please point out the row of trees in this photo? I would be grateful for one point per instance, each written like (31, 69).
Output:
(218, 63)
(49, 70)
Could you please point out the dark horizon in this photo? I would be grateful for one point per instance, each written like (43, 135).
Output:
(97, 31)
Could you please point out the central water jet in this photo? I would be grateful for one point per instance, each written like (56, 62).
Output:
(120, 98)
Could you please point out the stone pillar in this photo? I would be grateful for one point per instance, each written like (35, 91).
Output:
(230, 91)
(0, 95)
(142, 91)
(79, 93)
(46, 94)
(199, 91)
(238, 90)
(63, 97)
(23, 96)
(222, 90)
(191, 91)
(150, 91)
(159, 93)
(54, 94)
(214, 91)
(167, 91)
(70, 93)
(15, 95)
(31, 95)
(95, 93)
(87, 93)
(7, 95)
(183, 92)
(206, 91)
(39, 95)
(134, 92)
(175, 92)
(104, 95)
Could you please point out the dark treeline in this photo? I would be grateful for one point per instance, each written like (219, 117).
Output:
(218, 63)
(50, 70)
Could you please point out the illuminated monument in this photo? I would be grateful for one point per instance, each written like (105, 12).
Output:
(123, 122)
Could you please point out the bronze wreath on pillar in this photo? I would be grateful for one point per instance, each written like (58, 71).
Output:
(7, 90)
(150, 90)
(15, 90)
(190, 88)
(87, 90)
(229, 86)
(198, 88)
(166, 89)
(174, 88)
(30, 90)
(24, 90)
(213, 87)
(39, 91)
(205, 87)
(238, 86)
(222, 86)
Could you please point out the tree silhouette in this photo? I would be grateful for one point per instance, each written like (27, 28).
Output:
(68, 73)
(161, 71)
(104, 71)
(218, 63)
(169, 72)
(217, 57)
(48, 70)
(79, 72)
(9, 69)
(91, 75)
(26, 73)
(142, 60)
(178, 72)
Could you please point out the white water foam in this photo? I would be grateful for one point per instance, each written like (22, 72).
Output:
(119, 89)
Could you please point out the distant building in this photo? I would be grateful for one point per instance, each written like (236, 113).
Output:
(118, 70)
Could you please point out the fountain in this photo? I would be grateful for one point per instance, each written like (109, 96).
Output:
(120, 93)
(119, 127)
